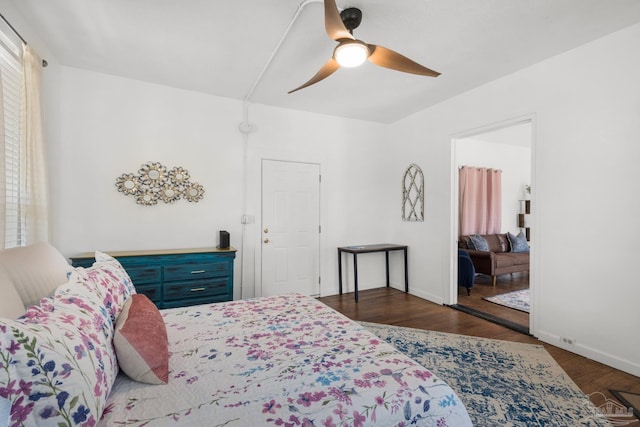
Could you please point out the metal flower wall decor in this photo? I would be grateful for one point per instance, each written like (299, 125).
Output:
(154, 182)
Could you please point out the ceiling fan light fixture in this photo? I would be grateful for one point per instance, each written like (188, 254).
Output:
(351, 53)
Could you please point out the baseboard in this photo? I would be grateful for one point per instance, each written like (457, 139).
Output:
(491, 318)
(591, 353)
(437, 299)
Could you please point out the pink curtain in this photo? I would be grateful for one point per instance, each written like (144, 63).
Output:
(479, 200)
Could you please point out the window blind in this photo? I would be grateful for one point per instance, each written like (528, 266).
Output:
(11, 73)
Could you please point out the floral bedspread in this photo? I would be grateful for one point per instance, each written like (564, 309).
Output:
(282, 361)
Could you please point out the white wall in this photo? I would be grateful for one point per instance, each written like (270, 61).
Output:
(352, 209)
(109, 125)
(515, 163)
(585, 105)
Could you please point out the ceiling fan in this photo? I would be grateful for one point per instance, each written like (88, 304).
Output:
(352, 52)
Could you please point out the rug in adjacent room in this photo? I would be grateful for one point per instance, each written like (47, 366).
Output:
(501, 383)
(518, 300)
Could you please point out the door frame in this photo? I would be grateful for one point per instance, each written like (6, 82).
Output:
(451, 294)
(261, 218)
(252, 240)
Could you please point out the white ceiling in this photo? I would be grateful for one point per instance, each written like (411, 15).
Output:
(221, 47)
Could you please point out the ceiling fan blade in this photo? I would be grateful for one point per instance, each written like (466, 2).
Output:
(389, 59)
(333, 22)
(327, 69)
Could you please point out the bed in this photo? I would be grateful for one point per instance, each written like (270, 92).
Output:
(286, 360)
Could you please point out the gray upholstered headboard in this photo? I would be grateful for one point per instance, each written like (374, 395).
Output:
(30, 272)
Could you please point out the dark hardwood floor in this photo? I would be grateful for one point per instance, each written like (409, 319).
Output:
(483, 288)
(394, 307)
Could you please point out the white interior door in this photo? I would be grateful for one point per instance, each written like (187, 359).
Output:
(290, 228)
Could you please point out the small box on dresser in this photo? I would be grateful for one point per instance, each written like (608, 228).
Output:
(176, 277)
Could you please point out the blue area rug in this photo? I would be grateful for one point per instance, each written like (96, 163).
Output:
(518, 300)
(501, 383)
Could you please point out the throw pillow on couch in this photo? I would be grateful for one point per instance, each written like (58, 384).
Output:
(479, 243)
(518, 243)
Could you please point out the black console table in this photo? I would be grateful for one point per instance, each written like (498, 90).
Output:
(365, 249)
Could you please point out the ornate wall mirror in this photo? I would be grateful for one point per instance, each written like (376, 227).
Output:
(128, 183)
(194, 192)
(413, 194)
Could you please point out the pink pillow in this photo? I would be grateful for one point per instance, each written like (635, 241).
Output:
(141, 341)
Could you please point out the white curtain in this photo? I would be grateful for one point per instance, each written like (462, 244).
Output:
(3, 175)
(479, 200)
(35, 203)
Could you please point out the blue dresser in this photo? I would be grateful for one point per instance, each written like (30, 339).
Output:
(176, 278)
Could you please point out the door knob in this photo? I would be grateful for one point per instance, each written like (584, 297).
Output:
(266, 240)
(266, 230)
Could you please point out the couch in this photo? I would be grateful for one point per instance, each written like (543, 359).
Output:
(499, 257)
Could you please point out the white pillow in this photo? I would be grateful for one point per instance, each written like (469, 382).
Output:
(11, 306)
(35, 270)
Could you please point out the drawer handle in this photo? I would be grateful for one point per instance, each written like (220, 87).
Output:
(198, 289)
(198, 271)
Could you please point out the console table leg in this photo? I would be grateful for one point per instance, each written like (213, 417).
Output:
(406, 271)
(355, 274)
(386, 258)
(340, 271)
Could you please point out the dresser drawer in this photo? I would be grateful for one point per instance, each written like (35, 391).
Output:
(194, 270)
(196, 288)
(141, 275)
(176, 278)
(153, 292)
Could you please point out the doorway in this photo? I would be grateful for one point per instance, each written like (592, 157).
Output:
(506, 146)
(290, 229)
